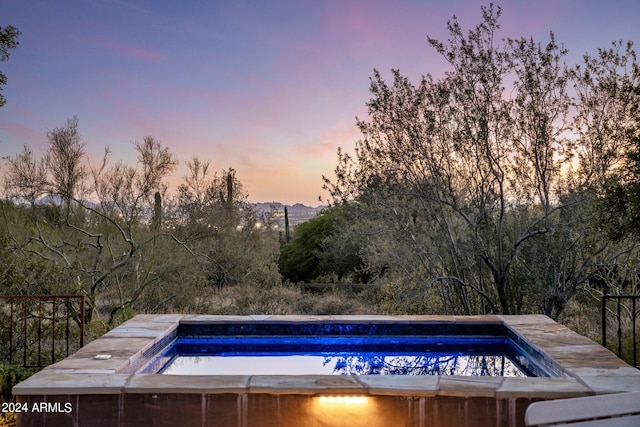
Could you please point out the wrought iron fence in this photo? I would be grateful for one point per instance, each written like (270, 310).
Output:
(625, 315)
(38, 330)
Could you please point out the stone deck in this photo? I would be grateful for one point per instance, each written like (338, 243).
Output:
(101, 393)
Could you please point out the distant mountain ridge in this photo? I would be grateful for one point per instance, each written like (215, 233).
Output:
(298, 212)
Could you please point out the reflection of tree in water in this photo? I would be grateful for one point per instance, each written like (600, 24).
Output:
(450, 364)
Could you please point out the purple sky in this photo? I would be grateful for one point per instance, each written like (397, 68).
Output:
(270, 88)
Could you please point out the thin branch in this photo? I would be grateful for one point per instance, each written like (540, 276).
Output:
(461, 282)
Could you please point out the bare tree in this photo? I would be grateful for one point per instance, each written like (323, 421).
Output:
(64, 161)
(123, 240)
(109, 248)
(130, 191)
(156, 162)
(220, 226)
(197, 180)
(26, 177)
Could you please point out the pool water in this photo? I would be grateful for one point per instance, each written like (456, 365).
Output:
(346, 364)
(345, 350)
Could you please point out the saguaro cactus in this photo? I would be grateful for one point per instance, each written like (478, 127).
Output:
(157, 212)
(287, 235)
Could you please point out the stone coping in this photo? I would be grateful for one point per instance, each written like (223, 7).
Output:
(588, 367)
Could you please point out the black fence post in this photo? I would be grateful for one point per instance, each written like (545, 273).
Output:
(633, 328)
(618, 313)
(604, 320)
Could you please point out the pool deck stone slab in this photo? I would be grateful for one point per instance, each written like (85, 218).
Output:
(191, 384)
(199, 318)
(305, 384)
(63, 382)
(468, 386)
(141, 330)
(123, 350)
(611, 384)
(401, 385)
(525, 319)
(541, 388)
(588, 367)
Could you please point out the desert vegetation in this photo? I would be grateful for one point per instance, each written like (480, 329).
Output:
(510, 185)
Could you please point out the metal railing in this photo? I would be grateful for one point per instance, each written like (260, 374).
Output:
(38, 330)
(623, 312)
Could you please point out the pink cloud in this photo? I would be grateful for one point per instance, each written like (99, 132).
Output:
(341, 135)
(12, 132)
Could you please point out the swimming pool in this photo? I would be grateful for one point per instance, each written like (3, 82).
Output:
(118, 390)
(381, 348)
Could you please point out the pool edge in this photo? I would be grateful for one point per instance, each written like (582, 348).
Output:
(601, 372)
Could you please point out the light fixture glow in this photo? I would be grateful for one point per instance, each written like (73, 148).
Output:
(343, 400)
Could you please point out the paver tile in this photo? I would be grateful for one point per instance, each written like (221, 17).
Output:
(541, 388)
(412, 385)
(304, 384)
(56, 382)
(469, 386)
(203, 384)
(601, 385)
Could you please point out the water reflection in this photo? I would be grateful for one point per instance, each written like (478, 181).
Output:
(449, 364)
(344, 364)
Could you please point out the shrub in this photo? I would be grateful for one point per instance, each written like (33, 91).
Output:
(398, 297)
(11, 375)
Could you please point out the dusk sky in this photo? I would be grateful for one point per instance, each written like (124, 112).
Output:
(269, 88)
